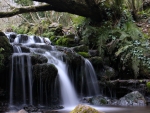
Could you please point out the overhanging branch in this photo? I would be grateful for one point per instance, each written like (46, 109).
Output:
(26, 9)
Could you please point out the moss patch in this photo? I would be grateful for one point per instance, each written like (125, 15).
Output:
(84, 54)
(85, 109)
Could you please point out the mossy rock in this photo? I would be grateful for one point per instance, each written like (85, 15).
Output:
(85, 109)
(64, 41)
(98, 100)
(84, 54)
(45, 72)
(7, 50)
(48, 34)
(96, 61)
(81, 48)
(38, 59)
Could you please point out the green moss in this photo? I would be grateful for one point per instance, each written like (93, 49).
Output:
(63, 41)
(59, 41)
(103, 101)
(84, 109)
(48, 34)
(148, 86)
(84, 54)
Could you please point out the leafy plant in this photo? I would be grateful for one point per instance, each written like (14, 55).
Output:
(148, 86)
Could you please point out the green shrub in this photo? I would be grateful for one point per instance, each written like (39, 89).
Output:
(148, 86)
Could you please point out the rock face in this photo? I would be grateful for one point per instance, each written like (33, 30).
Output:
(85, 109)
(4, 65)
(45, 71)
(7, 49)
(132, 99)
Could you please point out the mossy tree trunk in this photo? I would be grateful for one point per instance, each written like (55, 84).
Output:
(94, 9)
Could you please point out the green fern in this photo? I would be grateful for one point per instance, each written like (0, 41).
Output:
(122, 49)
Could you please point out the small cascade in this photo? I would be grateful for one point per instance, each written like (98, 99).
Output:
(90, 80)
(68, 93)
(29, 86)
(18, 79)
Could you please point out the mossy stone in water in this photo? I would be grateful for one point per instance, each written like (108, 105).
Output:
(85, 109)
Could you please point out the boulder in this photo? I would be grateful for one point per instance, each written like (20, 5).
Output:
(22, 111)
(108, 73)
(45, 71)
(85, 109)
(98, 100)
(132, 99)
(38, 59)
(81, 48)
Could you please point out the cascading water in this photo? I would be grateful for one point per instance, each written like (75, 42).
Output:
(38, 92)
(91, 79)
(24, 70)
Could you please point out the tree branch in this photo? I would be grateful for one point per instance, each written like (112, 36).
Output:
(26, 9)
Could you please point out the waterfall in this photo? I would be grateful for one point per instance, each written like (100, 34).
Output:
(68, 93)
(23, 81)
(91, 79)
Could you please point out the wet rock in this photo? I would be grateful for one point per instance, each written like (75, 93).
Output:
(38, 59)
(45, 71)
(132, 99)
(25, 49)
(12, 36)
(85, 109)
(30, 109)
(97, 62)
(81, 48)
(98, 100)
(93, 53)
(22, 111)
(7, 48)
(108, 73)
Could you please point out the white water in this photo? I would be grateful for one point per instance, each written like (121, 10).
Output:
(68, 93)
(16, 81)
(91, 79)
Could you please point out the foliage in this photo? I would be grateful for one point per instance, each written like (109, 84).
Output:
(148, 86)
(132, 48)
(64, 41)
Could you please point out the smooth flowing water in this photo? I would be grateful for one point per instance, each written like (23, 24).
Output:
(91, 79)
(114, 109)
(68, 93)
(21, 78)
